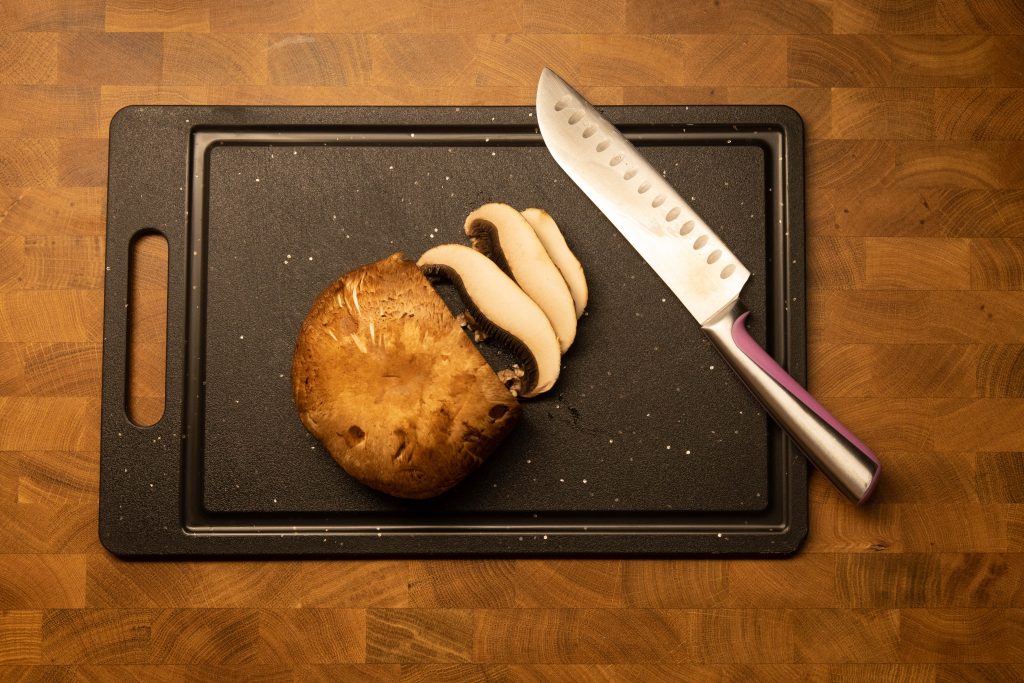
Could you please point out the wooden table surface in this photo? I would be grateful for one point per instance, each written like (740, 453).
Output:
(915, 189)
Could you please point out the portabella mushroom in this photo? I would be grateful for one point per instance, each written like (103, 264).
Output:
(386, 379)
(563, 258)
(501, 232)
(503, 310)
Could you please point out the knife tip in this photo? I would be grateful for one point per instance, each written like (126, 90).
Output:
(547, 73)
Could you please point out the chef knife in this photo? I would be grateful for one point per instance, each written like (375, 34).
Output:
(699, 269)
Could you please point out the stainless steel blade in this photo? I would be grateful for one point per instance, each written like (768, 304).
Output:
(691, 259)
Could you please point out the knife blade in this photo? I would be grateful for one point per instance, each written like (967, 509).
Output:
(698, 268)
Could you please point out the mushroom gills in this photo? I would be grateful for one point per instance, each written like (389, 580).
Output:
(568, 265)
(501, 309)
(501, 232)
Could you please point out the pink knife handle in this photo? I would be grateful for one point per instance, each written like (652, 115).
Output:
(835, 450)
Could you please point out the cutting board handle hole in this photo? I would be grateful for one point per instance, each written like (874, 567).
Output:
(146, 372)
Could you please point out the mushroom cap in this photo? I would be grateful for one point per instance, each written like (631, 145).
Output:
(501, 232)
(502, 309)
(386, 379)
(563, 258)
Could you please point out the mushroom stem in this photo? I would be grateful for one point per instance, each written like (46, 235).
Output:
(501, 232)
(502, 309)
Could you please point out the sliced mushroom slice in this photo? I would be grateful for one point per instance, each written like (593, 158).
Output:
(502, 309)
(563, 258)
(501, 232)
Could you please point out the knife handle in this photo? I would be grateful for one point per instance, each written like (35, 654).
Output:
(834, 449)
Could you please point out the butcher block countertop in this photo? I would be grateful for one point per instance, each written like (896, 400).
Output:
(915, 253)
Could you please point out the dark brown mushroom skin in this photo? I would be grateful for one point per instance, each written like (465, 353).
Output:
(387, 380)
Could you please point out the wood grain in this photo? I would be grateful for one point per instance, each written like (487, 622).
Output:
(46, 581)
(582, 16)
(318, 59)
(419, 635)
(999, 477)
(681, 60)
(916, 263)
(915, 250)
(48, 111)
(52, 211)
(961, 635)
(110, 58)
(879, 16)
(57, 477)
(978, 114)
(883, 113)
(91, 636)
(212, 59)
(22, 636)
(877, 370)
(997, 264)
(157, 16)
(936, 212)
(28, 58)
(203, 636)
(28, 161)
(737, 16)
(82, 162)
(52, 15)
(999, 16)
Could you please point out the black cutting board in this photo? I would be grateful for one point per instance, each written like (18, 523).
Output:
(648, 443)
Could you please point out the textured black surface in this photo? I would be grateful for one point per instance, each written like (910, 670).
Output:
(640, 434)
